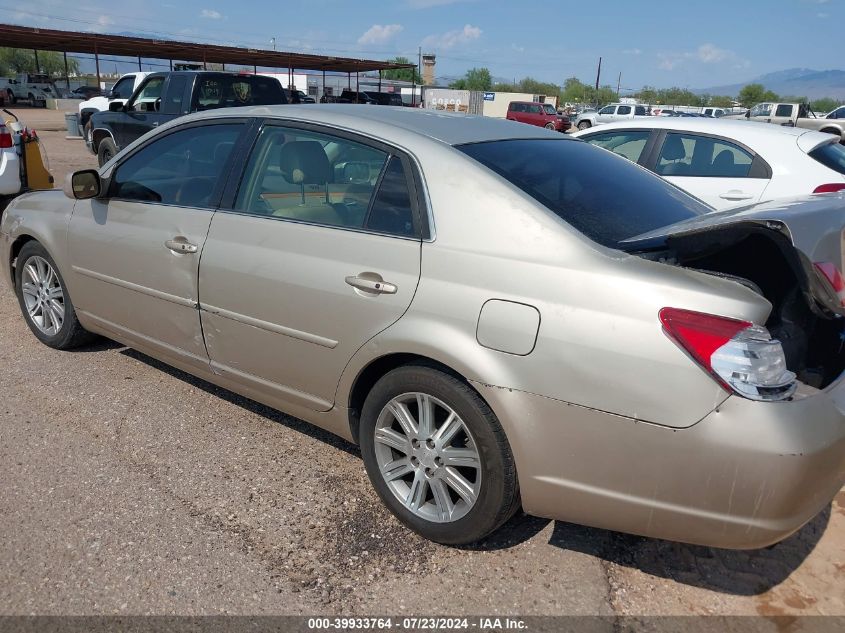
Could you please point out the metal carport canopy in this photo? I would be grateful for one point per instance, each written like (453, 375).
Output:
(103, 44)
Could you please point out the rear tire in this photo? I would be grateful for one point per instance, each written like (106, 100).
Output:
(44, 300)
(106, 150)
(460, 464)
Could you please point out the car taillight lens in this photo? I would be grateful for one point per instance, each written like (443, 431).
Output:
(832, 187)
(6, 139)
(834, 278)
(740, 356)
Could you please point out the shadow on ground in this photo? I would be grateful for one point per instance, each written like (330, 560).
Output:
(249, 405)
(739, 572)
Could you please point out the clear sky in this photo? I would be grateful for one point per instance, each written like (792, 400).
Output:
(695, 44)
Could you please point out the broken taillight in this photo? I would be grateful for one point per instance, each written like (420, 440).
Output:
(831, 187)
(740, 356)
(834, 278)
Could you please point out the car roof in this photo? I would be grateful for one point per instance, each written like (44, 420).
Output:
(744, 131)
(394, 124)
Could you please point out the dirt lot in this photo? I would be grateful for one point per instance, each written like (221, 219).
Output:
(130, 487)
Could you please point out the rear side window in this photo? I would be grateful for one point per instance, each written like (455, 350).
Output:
(702, 157)
(229, 91)
(391, 211)
(639, 111)
(123, 88)
(629, 144)
(783, 109)
(623, 110)
(604, 197)
(831, 155)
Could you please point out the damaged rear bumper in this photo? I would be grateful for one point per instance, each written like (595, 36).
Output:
(747, 475)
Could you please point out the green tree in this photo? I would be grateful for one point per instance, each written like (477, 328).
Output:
(792, 99)
(825, 104)
(533, 86)
(576, 91)
(504, 88)
(720, 102)
(648, 94)
(475, 79)
(18, 60)
(678, 96)
(755, 93)
(402, 74)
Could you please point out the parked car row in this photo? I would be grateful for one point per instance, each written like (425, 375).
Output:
(501, 316)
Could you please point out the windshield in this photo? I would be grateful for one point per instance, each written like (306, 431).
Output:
(604, 196)
(549, 109)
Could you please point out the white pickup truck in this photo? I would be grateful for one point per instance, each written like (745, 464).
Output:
(28, 87)
(796, 115)
(120, 93)
(609, 114)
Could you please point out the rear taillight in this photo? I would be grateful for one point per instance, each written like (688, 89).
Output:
(740, 356)
(831, 187)
(5, 139)
(834, 278)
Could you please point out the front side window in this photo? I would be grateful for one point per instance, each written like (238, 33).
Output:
(322, 179)
(605, 198)
(762, 109)
(549, 109)
(624, 110)
(839, 113)
(639, 111)
(534, 109)
(175, 92)
(123, 88)
(629, 144)
(182, 168)
(784, 109)
(702, 157)
(607, 110)
(149, 99)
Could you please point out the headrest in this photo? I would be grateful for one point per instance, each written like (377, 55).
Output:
(724, 161)
(673, 148)
(305, 162)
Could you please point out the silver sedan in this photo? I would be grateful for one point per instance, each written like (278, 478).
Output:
(498, 315)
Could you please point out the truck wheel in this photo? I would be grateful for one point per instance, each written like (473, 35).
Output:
(583, 125)
(106, 151)
(31, 98)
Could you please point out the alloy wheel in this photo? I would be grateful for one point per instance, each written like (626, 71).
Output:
(428, 457)
(43, 295)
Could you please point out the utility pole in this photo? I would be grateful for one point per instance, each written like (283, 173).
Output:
(419, 74)
(598, 75)
(618, 83)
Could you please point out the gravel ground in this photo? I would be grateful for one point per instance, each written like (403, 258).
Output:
(131, 487)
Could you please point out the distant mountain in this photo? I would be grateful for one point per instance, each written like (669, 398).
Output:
(802, 82)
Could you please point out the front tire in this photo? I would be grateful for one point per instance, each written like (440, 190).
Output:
(550, 126)
(437, 455)
(44, 300)
(106, 150)
(583, 125)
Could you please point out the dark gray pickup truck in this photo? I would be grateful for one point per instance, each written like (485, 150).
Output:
(162, 97)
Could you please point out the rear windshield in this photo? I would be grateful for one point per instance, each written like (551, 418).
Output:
(831, 155)
(604, 196)
(227, 91)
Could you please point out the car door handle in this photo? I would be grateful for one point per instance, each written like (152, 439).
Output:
(735, 195)
(180, 245)
(371, 284)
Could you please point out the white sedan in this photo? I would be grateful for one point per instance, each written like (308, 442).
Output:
(728, 163)
(10, 177)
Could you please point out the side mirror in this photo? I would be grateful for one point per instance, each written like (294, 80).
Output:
(115, 106)
(82, 185)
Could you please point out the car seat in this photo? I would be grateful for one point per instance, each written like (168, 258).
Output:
(723, 164)
(305, 163)
(674, 150)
